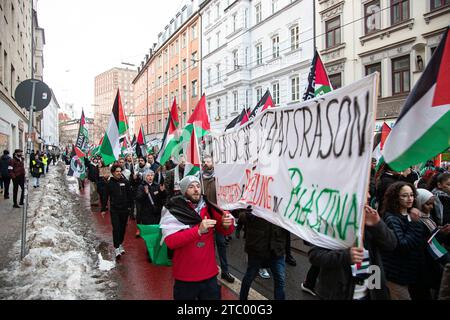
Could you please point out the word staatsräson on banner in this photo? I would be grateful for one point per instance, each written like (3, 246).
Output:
(303, 167)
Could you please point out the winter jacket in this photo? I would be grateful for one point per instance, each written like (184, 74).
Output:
(37, 168)
(263, 239)
(16, 168)
(194, 256)
(4, 163)
(118, 191)
(403, 264)
(335, 279)
(442, 207)
(150, 208)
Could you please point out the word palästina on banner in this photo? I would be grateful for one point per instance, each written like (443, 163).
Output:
(305, 132)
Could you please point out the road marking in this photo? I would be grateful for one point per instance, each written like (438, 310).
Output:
(236, 288)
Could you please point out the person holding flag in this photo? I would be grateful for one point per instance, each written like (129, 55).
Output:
(343, 272)
(188, 225)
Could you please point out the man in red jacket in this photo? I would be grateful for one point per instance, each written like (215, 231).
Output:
(188, 225)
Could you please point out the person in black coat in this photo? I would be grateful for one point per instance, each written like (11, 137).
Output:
(94, 177)
(151, 197)
(402, 266)
(265, 244)
(37, 169)
(5, 178)
(118, 191)
(336, 281)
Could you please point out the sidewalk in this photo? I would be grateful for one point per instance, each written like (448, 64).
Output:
(138, 279)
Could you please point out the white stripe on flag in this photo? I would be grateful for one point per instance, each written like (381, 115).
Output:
(418, 120)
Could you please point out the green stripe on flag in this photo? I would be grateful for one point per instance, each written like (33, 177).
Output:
(432, 142)
(106, 151)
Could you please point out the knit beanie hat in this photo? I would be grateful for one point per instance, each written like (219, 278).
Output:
(186, 182)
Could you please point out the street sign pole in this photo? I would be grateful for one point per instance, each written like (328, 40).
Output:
(27, 176)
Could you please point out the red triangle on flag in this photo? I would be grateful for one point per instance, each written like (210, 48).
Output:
(200, 116)
(385, 130)
(268, 103)
(192, 152)
(442, 92)
(174, 122)
(140, 137)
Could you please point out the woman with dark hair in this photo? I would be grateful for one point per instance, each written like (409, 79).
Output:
(403, 264)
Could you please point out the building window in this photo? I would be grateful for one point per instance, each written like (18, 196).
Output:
(218, 11)
(183, 65)
(166, 101)
(295, 40)
(275, 47)
(235, 100)
(208, 76)
(218, 39)
(218, 109)
(400, 75)
(258, 13)
(159, 126)
(209, 108)
(276, 93)
(373, 68)
(159, 104)
(194, 31)
(335, 80)
(435, 4)
(259, 54)
(258, 94)
(295, 89)
(274, 6)
(218, 72)
(372, 17)
(333, 32)
(184, 94)
(194, 88)
(234, 22)
(194, 59)
(236, 60)
(399, 11)
(183, 40)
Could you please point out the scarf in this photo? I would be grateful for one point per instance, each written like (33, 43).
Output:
(208, 173)
(427, 221)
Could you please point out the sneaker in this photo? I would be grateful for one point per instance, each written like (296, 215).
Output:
(263, 273)
(121, 249)
(20, 203)
(291, 261)
(117, 253)
(15, 206)
(227, 277)
(308, 290)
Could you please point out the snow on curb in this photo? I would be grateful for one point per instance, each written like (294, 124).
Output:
(61, 262)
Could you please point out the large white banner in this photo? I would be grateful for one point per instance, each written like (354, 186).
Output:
(303, 167)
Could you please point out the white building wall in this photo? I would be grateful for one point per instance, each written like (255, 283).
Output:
(240, 32)
(50, 123)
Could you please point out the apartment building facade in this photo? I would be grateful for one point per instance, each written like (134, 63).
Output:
(106, 85)
(171, 70)
(252, 46)
(393, 37)
(15, 66)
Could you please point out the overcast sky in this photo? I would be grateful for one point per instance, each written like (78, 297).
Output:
(84, 38)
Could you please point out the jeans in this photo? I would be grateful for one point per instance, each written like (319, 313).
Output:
(36, 181)
(200, 290)
(222, 251)
(277, 267)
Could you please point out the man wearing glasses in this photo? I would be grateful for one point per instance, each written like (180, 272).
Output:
(118, 191)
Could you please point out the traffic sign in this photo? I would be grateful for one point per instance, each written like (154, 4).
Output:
(24, 93)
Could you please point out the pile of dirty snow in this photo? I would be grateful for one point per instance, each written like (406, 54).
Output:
(62, 262)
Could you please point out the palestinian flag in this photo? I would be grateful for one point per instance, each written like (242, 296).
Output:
(434, 247)
(318, 81)
(193, 161)
(110, 148)
(422, 130)
(141, 149)
(239, 120)
(377, 153)
(264, 103)
(171, 135)
(76, 166)
(82, 144)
